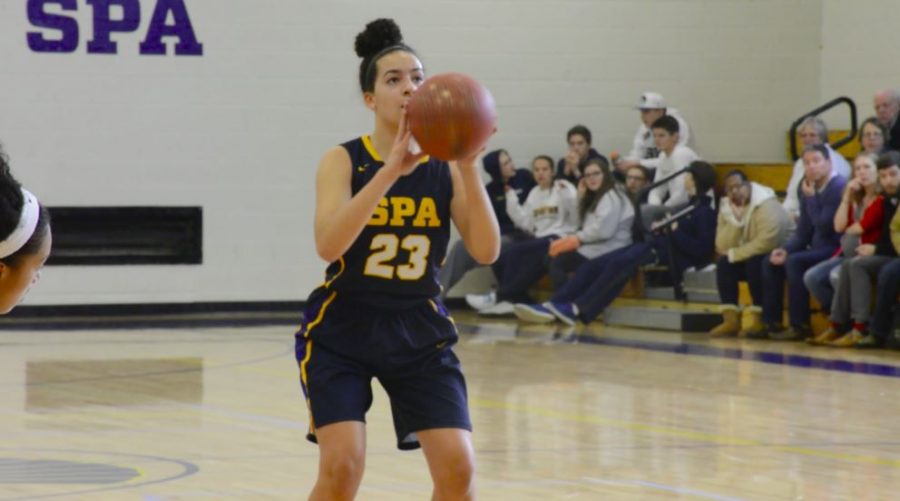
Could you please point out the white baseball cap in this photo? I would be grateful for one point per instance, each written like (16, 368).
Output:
(651, 101)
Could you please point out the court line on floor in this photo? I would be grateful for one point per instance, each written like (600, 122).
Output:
(767, 357)
(287, 351)
(662, 487)
(687, 434)
(704, 350)
(188, 470)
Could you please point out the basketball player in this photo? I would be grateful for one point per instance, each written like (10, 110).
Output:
(26, 239)
(383, 222)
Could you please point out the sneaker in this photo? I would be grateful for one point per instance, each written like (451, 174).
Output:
(480, 302)
(793, 333)
(565, 312)
(502, 308)
(534, 313)
(848, 340)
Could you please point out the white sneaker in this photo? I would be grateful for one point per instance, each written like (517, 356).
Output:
(501, 308)
(481, 302)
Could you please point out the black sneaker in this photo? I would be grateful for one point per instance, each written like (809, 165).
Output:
(794, 333)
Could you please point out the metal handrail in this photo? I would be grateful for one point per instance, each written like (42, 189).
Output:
(665, 228)
(825, 107)
(648, 189)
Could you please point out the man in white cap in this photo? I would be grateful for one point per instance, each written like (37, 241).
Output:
(643, 152)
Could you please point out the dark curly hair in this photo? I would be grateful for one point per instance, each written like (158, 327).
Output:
(380, 38)
(11, 202)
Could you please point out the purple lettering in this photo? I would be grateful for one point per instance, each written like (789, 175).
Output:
(67, 26)
(187, 41)
(104, 25)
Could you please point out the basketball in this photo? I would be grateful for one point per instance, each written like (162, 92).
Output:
(451, 116)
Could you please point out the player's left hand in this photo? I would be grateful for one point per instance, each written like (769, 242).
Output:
(470, 162)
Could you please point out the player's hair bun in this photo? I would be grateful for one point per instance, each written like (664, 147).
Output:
(379, 34)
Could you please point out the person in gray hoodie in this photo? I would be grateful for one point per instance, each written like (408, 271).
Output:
(751, 223)
(606, 214)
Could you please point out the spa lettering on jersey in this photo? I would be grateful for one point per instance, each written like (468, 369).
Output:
(61, 32)
(403, 211)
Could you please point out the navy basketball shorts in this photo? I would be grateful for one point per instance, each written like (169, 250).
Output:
(343, 344)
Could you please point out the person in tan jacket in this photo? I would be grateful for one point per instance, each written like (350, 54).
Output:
(751, 223)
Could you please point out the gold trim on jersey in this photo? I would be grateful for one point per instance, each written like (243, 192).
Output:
(303, 376)
(367, 142)
(447, 316)
(328, 282)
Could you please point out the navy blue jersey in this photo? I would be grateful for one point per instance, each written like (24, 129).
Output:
(394, 262)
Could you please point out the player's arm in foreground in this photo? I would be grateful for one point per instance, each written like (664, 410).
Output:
(472, 212)
(341, 217)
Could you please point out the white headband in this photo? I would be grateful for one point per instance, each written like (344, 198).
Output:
(27, 223)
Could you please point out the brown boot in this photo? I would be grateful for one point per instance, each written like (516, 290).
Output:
(731, 323)
(756, 323)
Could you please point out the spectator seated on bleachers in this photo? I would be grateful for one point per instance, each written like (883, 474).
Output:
(886, 296)
(571, 166)
(506, 181)
(887, 109)
(751, 224)
(597, 282)
(671, 196)
(813, 242)
(606, 216)
(812, 131)
(853, 297)
(636, 179)
(549, 212)
(859, 221)
(644, 151)
(872, 137)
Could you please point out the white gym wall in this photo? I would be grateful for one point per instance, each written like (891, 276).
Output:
(239, 130)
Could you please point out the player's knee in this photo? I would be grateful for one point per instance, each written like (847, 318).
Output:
(456, 481)
(343, 474)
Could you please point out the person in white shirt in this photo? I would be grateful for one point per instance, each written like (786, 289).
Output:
(549, 212)
(550, 208)
(672, 158)
(644, 152)
(812, 131)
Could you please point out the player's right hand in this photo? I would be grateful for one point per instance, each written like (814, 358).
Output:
(400, 160)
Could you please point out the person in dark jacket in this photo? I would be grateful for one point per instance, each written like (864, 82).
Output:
(571, 166)
(506, 180)
(599, 281)
(814, 241)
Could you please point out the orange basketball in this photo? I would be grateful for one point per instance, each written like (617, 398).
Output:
(451, 116)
